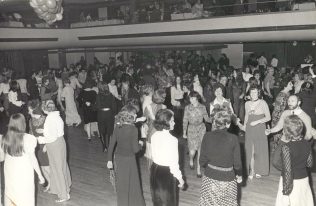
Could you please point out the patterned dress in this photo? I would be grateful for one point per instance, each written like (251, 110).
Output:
(193, 121)
(279, 106)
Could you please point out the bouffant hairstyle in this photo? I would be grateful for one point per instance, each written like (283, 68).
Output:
(222, 118)
(195, 94)
(162, 119)
(293, 128)
(159, 96)
(256, 87)
(216, 86)
(48, 106)
(126, 115)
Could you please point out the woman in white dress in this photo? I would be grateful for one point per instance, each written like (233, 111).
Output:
(20, 163)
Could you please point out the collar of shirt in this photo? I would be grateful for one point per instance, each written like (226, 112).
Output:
(217, 102)
(296, 111)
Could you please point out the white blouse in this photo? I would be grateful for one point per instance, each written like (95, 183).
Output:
(164, 148)
(53, 128)
(13, 98)
(113, 90)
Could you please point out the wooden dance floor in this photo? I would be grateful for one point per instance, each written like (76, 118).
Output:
(91, 186)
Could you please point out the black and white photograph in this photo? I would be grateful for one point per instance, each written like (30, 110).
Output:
(157, 102)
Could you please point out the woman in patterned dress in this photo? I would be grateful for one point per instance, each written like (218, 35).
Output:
(279, 106)
(194, 127)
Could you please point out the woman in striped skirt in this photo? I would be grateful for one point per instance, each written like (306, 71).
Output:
(220, 156)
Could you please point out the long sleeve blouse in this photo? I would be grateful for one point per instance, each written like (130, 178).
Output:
(125, 138)
(53, 128)
(221, 149)
(164, 148)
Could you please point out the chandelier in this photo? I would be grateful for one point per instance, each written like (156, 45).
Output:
(48, 10)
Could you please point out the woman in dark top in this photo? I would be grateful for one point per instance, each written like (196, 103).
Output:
(106, 107)
(36, 125)
(125, 137)
(88, 98)
(296, 157)
(307, 96)
(220, 156)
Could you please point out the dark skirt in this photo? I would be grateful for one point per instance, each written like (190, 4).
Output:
(128, 186)
(105, 125)
(163, 185)
(215, 192)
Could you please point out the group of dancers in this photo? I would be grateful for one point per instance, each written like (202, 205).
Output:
(159, 114)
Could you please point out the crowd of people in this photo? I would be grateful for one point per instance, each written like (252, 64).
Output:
(160, 105)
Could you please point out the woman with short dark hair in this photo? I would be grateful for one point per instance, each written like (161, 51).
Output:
(165, 170)
(296, 157)
(20, 163)
(220, 156)
(194, 127)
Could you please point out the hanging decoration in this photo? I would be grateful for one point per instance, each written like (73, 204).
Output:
(48, 10)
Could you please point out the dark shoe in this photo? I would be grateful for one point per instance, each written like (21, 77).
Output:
(192, 167)
(199, 175)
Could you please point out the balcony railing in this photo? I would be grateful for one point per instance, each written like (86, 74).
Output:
(174, 12)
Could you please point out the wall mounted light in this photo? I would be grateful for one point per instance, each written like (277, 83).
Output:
(314, 43)
(294, 43)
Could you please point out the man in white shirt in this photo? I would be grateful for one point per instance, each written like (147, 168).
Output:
(294, 109)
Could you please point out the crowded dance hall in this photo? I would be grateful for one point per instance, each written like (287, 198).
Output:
(157, 102)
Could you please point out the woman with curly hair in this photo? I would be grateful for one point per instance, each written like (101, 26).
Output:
(125, 137)
(220, 156)
(296, 158)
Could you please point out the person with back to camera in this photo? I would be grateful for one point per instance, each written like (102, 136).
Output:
(296, 158)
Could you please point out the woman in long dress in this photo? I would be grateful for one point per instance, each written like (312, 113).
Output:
(256, 142)
(296, 157)
(125, 137)
(20, 163)
(165, 171)
(68, 95)
(194, 128)
(60, 180)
